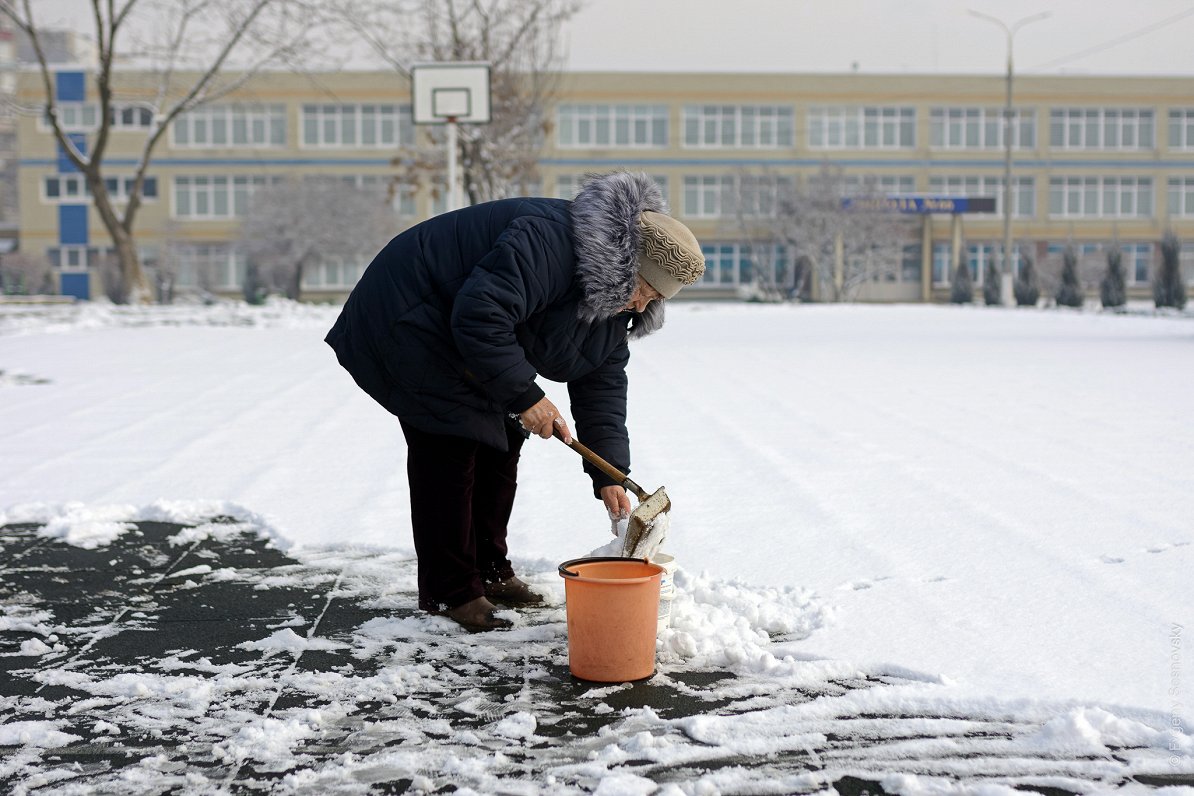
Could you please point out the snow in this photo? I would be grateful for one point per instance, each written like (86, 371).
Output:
(286, 640)
(992, 506)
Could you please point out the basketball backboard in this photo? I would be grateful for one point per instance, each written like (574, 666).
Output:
(446, 91)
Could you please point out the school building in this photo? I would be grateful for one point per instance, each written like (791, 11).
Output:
(1096, 161)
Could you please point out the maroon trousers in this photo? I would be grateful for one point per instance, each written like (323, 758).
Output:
(461, 495)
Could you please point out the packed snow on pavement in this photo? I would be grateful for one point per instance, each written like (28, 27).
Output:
(992, 505)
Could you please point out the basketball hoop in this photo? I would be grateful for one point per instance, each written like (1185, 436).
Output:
(450, 93)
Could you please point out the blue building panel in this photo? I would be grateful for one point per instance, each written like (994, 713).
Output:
(77, 285)
(71, 87)
(72, 225)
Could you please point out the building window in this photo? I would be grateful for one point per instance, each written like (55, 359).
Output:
(977, 257)
(861, 128)
(237, 125)
(910, 263)
(73, 117)
(862, 184)
(943, 268)
(629, 126)
(718, 196)
(979, 128)
(59, 188)
(65, 188)
(703, 196)
(738, 126)
(1181, 128)
(1101, 128)
(1023, 191)
(131, 117)
(1092, 260)
(1138, 260)
(334, 273)
(121, 188)
(77, 259)
(1186, 258)
(383, 187)
(83, 117)
(357, 126)
(401, 197)
(204, 197)
(1101, 197)
(1181, 196)
(732, 264)
(206, 266)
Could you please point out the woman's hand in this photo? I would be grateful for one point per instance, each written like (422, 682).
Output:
(616, 501)
(542, 418)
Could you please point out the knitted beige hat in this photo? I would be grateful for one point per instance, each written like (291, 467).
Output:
(669, 255)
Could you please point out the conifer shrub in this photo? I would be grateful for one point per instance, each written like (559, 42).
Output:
(1111, 289)
(992, 283)
(962, 289)
(1069, 292)
(1168, 288)
(1027, 287)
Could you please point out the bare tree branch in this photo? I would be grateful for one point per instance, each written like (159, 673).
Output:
(261, 28)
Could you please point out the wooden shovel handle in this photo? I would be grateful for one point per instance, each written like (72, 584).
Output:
(602, 465)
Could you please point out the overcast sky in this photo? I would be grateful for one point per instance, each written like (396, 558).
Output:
(1136, 37)
(915, 36)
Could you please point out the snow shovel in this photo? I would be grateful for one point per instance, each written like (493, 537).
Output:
(650, 506)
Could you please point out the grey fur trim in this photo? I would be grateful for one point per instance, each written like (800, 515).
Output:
(605, 235)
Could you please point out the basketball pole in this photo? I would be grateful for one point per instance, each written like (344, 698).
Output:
(453, 186)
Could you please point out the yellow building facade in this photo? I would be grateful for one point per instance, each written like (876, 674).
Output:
(1096, 161)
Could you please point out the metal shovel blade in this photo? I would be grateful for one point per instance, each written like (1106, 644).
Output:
(641, 520)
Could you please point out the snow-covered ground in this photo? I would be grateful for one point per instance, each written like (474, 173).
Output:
(1000, 501)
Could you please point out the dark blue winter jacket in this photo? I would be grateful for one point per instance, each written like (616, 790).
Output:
(454, 318)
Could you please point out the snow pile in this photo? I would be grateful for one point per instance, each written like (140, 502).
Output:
(90, 527)
(35, 733)
(286, 640)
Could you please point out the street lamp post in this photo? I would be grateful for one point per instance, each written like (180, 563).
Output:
(1005, 287)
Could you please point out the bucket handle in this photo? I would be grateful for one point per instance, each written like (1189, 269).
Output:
(564, 572)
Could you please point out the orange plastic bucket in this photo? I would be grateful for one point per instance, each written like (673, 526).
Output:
(613, 608)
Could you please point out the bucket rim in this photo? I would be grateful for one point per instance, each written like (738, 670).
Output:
(578, 578)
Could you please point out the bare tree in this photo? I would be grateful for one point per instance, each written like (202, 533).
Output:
(847, 238)
(518, 38)
(190, 49)
(751, 203)
(294, 225)
(23, 274)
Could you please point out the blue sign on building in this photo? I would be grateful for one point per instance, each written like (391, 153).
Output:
(922, 204)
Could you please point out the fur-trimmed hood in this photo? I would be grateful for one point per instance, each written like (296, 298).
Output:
(605, 236)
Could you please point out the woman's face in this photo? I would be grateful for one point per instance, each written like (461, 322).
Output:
(643, 295)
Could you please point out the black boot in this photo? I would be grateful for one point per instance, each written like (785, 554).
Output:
(476, 616)
(512, 592)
